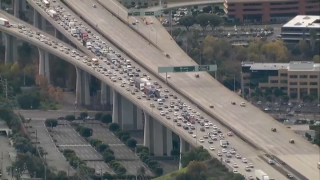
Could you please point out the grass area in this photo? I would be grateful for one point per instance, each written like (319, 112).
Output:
(171, 176)
(49, 106)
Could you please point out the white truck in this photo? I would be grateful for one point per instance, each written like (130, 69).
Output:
(260, 175)
(224, 143)
(4, 22)
(111, 56)
(53, 14)
(71, 24)
(140, 83)
(74, 32)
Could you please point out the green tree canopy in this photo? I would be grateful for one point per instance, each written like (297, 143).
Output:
(203, 20)
(106, 118)
(187, 21)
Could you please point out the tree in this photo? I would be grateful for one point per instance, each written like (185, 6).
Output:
(124, 138)
(158, 171)
(203, 20)
(285, 98)
(98, 115)
(198, 154)
(121, 170)
(70, 117)
(29, 100)
(58, 95)
(51, 122)
(277, 92)
(95, 142)
(275, 51)
(83, 115)
(316, 59)
(196, 168)
(187, 21)
(141, 171)
(114, 127)
(106, 118)
(214, 20)
(131, 143)
(101, 147)
(86, 132)
(107, 157)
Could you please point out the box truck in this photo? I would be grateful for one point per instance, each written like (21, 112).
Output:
(4, 22)
(140, 83)
(53, 14)
(260, 175)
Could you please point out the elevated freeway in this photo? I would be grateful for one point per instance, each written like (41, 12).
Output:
(246, 151)
(249, 122)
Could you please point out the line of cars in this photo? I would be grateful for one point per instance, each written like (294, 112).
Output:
(115, 73)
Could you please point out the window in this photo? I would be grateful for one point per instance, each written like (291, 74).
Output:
(284, 88)
(313, 76)
(303, 76)
(293, 83)
(284, 81)
(313, 83)
(274, 81)
(283, 74)
(303, 83)
(293, 76)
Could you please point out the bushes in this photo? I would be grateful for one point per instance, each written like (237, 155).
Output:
(84, 131)
(72, 158)
(131, 143)
(114, 127)
(83, 115)
(51, 122)
(144, 156)
(106, 118)
(70, 117)
(117, 167)
(98, 115)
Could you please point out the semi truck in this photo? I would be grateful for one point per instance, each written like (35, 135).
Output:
(4, 22)
(260, 175)
(140, 83)
(111, 56)
(53, 14)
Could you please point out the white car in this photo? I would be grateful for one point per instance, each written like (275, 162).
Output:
(94, 6)
(235, 171)
(235, 165)
(201, 140)
(244, 160)
(224, 151)
(194, 136)
(175, 114)
(162, 113)
(212, 148)
(243, 104)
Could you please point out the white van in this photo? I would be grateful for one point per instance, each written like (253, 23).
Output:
(89, 45)
(129, 68)
(128, 61)
(160, 101)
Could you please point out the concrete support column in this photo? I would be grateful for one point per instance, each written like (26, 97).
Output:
(127, 111)
(16, 8)
(11, 55)
(44, 66)
(157, 138)
(167, 141)
(85, 78)
(116, 103)
(184, 147)
(139, 123)
(43, 26)
(147, 130)
(79, 98)
(103, 96)
(36, 17)
(57, 34)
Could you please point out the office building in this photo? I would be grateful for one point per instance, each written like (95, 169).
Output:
(296, 79)
(299, 27)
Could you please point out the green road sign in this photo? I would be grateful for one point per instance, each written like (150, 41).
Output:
(184, 69)
(177, 69)
(149, 13)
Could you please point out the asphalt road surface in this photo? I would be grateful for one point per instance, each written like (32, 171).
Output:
(54, 157)
(66, 135)
(38, 114)
(121, 151)
(86, 153)
(5, 148)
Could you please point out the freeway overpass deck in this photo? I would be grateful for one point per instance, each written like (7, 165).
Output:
(251, 122)
(250, 153)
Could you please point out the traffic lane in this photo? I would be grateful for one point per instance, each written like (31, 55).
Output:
(133, 166)
(138, 136)
(100, 166)
(67, 135)
(84, 152)
(103, 134)
(122, 152)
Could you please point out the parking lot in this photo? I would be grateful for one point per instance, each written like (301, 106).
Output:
(100, 166)
(67, 135)
(103, 134)
(122, 152)
(133, 166)
(86, 153)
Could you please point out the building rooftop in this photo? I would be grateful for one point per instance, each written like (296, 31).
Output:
(304, 21)
(292, 66)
